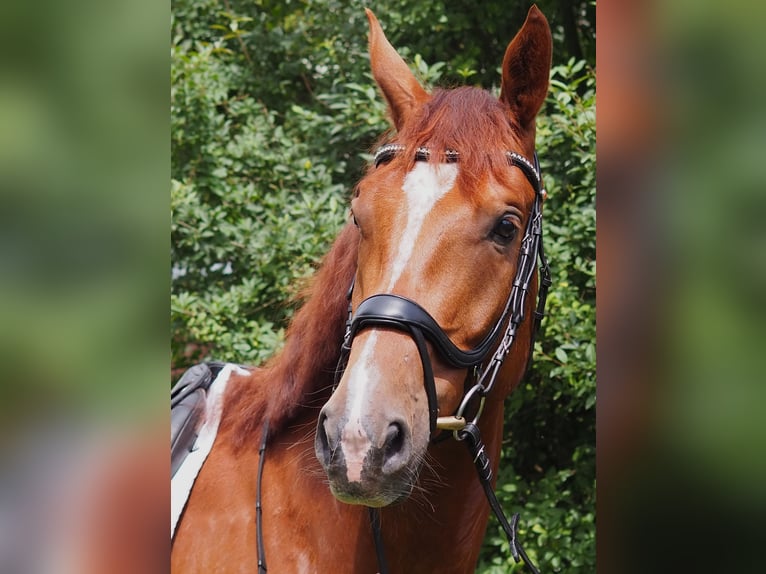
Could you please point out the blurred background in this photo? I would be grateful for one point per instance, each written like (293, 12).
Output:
(682, 276)
(85, 281)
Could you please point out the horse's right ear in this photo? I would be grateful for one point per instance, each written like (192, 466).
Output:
(401, 89)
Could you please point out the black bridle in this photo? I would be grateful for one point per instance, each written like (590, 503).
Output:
(401, 313)
(397, 312)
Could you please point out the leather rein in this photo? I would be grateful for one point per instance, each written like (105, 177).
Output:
(394, 311)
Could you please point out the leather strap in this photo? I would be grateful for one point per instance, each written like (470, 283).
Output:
(258, 506)
(470, 434)
(428, 377)
(389, 310)
(377, 537)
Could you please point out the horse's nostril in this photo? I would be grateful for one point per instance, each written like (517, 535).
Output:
(322, 441)
(394, 440)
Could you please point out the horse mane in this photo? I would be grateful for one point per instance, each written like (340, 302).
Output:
(301, 374)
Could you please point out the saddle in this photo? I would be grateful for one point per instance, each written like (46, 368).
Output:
(196, 408)
(188, 399)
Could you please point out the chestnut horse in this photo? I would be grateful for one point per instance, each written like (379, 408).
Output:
(415, 288)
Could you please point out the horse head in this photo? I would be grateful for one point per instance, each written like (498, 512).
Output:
(441, 216)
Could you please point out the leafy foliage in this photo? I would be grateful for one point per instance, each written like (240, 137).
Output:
(550, 421)
(273, 115)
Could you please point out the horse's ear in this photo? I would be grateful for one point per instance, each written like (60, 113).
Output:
(402, 91)
(526, 67)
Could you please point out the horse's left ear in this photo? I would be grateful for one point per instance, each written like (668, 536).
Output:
(526, 67)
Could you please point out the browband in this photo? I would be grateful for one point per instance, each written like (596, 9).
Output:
(388, 152)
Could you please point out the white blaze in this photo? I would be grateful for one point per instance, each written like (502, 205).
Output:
(354, 440)
(423, 187)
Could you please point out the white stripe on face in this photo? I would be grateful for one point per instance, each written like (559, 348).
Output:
(354, 440)
(423, 187)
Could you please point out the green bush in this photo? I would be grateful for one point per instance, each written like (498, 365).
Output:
(273, 114)
(549, 468)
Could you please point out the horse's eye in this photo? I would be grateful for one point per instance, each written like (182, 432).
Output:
(504, 231)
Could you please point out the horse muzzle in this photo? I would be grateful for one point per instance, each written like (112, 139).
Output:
(368, 461)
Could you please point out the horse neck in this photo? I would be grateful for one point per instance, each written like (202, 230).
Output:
(301, 375)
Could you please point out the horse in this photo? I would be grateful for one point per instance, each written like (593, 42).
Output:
(409, 309)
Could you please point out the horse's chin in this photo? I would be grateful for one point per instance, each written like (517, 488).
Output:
(373, 489)
(354, 496)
